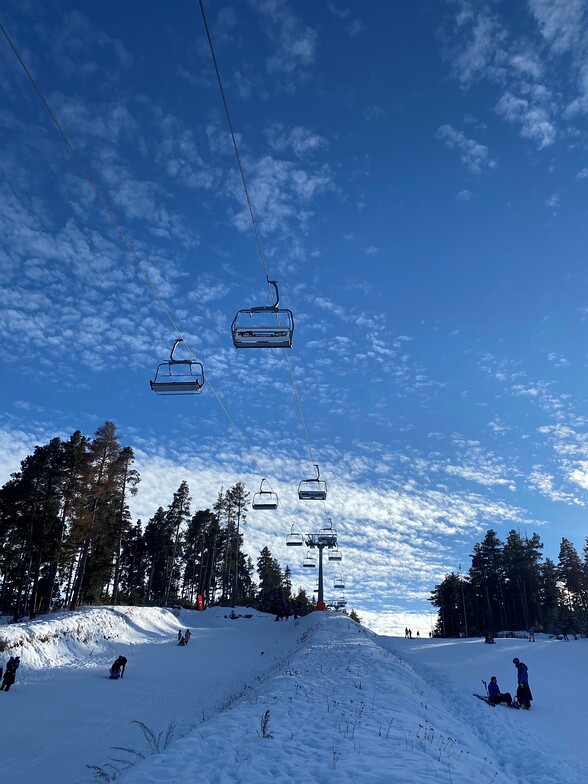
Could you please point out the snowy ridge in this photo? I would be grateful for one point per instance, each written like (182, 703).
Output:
(339, 708)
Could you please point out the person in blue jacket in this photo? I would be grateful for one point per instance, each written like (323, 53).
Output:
(524, 696)
(495, 695)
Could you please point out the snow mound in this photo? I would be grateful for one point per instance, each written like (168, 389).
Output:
(69, 638)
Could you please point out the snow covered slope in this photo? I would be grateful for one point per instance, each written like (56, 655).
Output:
(254, 700)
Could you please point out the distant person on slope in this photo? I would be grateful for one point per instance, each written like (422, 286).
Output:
(495, 695)
(187, 635)
(10, 674)
(118, 668)
(531, 634)
(524, 696)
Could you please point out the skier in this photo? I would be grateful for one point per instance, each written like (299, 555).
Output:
(179, 636)
(187, 635)
(489, 640)
(531, 634)
(495, 695)
(118, 668)
(524, 696)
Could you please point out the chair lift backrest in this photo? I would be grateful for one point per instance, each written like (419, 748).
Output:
(295, 538)
(313, 489)
(265, 499)
(264, 335)
(188, 383)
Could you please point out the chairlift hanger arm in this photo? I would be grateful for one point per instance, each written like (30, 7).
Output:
(275, 306)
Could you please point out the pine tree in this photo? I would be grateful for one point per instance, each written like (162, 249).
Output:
(486, 578)
(571, 573)
(237, 500)
(133, 566)
(128, 479)
(30, 504)
(270, 596)
(549, 594)
(176, 517)
(93, 526)
(447, 596)
(522, 579)
(158, 546)
(75, 468)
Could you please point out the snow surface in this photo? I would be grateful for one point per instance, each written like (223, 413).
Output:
(345, 705)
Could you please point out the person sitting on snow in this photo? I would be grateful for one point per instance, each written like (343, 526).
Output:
(495, 696)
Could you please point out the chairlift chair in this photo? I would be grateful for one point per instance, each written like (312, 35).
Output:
(335, 555)
(178, 376)
(339, 583)
(309, 562)
(313, 489)
(266, 331)
(265, 499)
(328, 536)
(295, 538)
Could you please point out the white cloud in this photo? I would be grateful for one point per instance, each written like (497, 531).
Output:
(473, 154)
(294, 43)
(553, 200)
(562, 22)
(535, 121)
(300, 140)
(464, 195)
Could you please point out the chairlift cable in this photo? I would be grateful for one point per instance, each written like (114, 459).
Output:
(88, 177)
(122, 236)
(236, 148)
(120, 232)
(251, 213)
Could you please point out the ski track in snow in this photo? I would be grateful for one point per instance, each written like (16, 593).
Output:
(344, 704)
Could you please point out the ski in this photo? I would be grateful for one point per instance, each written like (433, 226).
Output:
(494, 704)
(485, 699)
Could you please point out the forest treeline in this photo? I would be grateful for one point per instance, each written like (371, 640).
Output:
(67, 539)
(510, 587)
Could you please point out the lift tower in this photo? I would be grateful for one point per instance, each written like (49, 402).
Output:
(326, 537)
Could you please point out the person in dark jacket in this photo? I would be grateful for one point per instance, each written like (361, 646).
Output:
(524, 696)
(10, 674)
(118, 668)
(495, 695)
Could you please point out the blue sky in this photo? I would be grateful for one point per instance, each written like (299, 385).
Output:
(419, 177)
